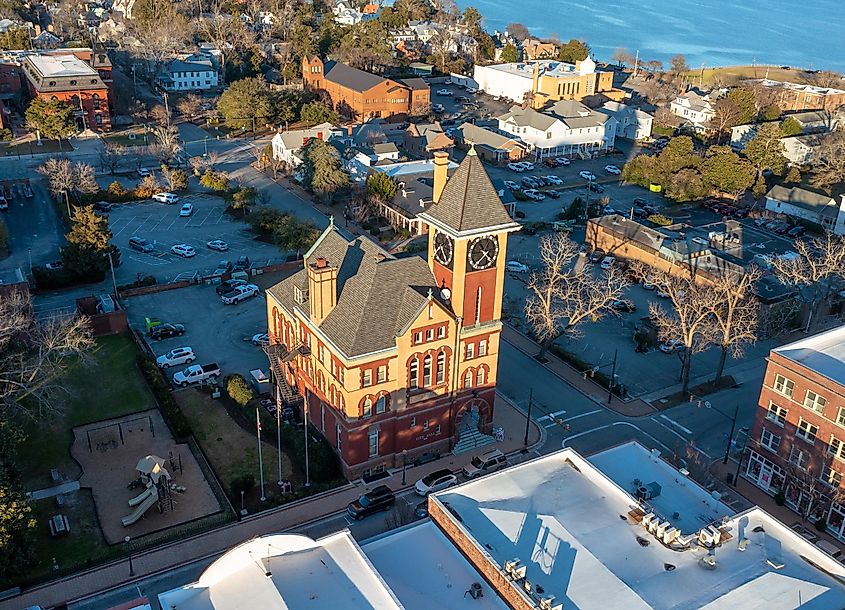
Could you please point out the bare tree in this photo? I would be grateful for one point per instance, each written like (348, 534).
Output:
(518, 31)
(162, 33)
(565, 292)
(656, 91)
(110, 156)
(829, 161)
(666, 118)
(84, 178)
(160, 114)
(811, 484)
(622, 57)
(169, 145)
(688, 323)
(33, 356)
(726, 114)
(190, 106)
(226, 32)
(59, 173)
(815, 272)
(735, 315)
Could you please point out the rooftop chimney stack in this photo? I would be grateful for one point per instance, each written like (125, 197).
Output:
(322, 289)
(441, 168)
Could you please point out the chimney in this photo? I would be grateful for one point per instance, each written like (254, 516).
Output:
(322, 289)
(441, 167)
(535, 83)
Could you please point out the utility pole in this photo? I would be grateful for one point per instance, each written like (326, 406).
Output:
(260, 457)
(528, 420)
(279, 432)
(636, 63)
(111, 267)
(166, 108)
(731, 435)
(612, 381)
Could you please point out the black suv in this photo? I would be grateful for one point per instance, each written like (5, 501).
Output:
(164, 331)
(228, 286)
(243, 264)
(379, 499)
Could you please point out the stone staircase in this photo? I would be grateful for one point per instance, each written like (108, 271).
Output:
(472, 439)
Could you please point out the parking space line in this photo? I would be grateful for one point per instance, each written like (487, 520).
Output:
(676, 424)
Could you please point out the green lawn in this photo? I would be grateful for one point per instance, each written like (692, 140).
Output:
(107, 385)
(743, 72)
(31, 147)
(121, 138)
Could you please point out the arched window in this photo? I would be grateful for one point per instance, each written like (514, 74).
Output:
(468, 379)
(75, 100)
(321, 382)
(427, 371)
(275, 322)
(96, 99)
(367, 407)
(481, 377)
(414, 373)
(381, 404)
(440, 375)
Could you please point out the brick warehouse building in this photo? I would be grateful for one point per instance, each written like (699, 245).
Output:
(363, 96)
(81, 77)
(396, 357)
(797, 444)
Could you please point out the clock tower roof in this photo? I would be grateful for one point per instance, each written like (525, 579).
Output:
(469, 203)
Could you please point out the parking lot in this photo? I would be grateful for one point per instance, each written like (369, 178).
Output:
(216, 332)
(161, 225)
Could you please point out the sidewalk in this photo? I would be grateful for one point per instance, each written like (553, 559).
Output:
(208, 544)
(593, 391)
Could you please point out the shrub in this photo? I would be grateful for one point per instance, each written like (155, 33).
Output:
(322, 460)
(243, 483)
(519, 214)
(238, 389)
(374, 231)
(404, 233)
(147, 187)
(50, 279)
(660, 219)
(6, 135)
(216, 181)
(161, 390)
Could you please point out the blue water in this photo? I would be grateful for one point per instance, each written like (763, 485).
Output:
(798, 33)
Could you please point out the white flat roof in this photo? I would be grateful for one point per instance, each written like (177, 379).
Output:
(406, 168)
(61, 65)
(694, 506)
(823, 353)
(287, 571)
(425, 570)
(567, 522)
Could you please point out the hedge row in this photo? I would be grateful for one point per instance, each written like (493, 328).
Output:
(161, 390)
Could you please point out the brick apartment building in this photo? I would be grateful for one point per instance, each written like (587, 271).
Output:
(797, 444)
(395, 358)
(81, 77)
(795, 97)
(362, 96)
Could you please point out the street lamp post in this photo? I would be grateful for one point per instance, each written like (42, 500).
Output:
(528, 420)
(404, 464)
(731, 435)
(129, 551)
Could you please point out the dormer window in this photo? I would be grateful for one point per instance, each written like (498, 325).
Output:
(300, 295)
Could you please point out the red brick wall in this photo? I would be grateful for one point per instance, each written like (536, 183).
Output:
(86, 96)
(486, 280)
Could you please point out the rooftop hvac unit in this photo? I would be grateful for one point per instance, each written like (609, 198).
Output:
(519, 573)
(546, 603)
(705, 538)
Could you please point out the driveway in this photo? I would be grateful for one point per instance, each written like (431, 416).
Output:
(161, 224)
(216, 332)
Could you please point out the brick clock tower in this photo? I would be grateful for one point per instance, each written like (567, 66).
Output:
(467, 245)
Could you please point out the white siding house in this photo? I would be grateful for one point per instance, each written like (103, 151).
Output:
(178, 75)
(567, 128)
(807, 205)
(694, 108)
(286, 145)
(634, 124)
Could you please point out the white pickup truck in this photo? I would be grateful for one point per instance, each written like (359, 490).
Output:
(196, 373)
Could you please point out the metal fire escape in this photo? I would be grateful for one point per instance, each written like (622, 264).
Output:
(280, 358)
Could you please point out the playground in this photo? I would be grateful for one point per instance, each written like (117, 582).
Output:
(141, 480)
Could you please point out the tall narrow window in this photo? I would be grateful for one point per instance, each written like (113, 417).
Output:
(482, 347)
(468, 379)
(481, 377)
(381, 404)
(373, 442)
(368, 407)
(478, 305)
(427, 371)
(414, 373)
(441, 368)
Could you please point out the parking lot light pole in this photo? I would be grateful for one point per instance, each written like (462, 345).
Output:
(528, 420)
(129, 551)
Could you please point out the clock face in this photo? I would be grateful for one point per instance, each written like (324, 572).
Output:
(444, 249)
(482, 253)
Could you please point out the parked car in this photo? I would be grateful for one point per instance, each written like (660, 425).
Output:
(445, 92)
(529, 183)
(783, 228)
(511, 185)
(196, 373)
(534, 194)
(176, 356)
(796, 232)
(640, 201)
(165, 331)
(607, 262)
(229, 286)
(261, 339)
(144, 172)
(104, 207)
(222, 267)
(612, 169)
(516, 267)
(671, 346)
(187, 209)
(239, 293)
(640, 213)
(166, 197)
(183, 250)
(596, 256)
(596, 188)
(472, 90)
(438, 108)
(436, 481)
(648, 283)
(516, 167)
(217, 244)
(553, 194)
(550, 162)
(527, 165)
(140, 244)
(562, 161)
(564, 226)
(624, 305)
(553, 180)
(486, 463)
(462, 99)
(243, 263)
(379, 499)
(587, 175)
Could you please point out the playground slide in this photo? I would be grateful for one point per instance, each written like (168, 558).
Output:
(139, 512)
(141, 497)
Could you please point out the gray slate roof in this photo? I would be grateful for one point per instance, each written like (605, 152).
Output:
(576, 115)
(480, 136)
(803, 198)
(377, 295)
(526, 117)
(469, 200)
(350, 77)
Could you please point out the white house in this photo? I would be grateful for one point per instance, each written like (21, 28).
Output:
(694, 108)
(634, 124)
(287, 144)
(178, 75)
(567, 128)
(807, 205)
(799, 150)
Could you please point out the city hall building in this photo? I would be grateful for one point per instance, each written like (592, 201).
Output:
(393, 358)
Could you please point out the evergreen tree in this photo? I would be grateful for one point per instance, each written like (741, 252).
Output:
(53, 119)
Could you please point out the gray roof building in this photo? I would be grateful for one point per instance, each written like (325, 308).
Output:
(349, 77)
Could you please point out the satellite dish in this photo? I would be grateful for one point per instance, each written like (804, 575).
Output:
(445, 293)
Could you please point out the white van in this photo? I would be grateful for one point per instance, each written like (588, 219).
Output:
(607, 262)
(516, 267)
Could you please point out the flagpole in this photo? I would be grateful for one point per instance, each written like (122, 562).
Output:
(260, 458)
(279, 432)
